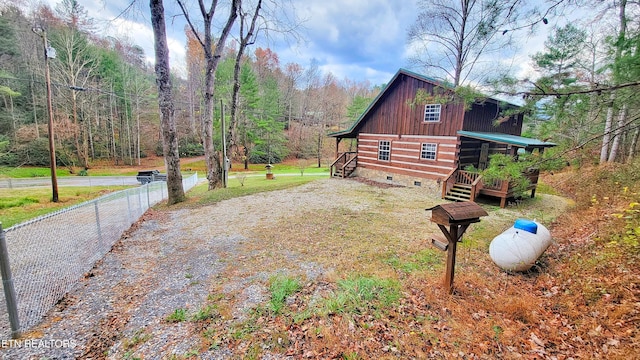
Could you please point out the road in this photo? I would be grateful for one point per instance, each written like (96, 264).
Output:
(70, 181)
(104, 180)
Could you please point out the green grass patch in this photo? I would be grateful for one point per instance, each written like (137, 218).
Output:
(179, 315)
(362, 295)
(30, 172)
(426, 259)
(139, 337)
(281, 288)
(543, 188)
(20, 205)
(11, 203)
(205, 313)
(252, 185)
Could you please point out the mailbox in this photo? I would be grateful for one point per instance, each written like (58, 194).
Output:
(458, 217)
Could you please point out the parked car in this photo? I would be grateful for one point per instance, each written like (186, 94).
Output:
(147, 176)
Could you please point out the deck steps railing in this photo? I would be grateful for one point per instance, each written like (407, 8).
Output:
(461, 185)
(344, 165)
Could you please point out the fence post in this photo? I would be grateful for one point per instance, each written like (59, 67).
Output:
(148, 202)
(7, 284)
(98, 224)
(129, 207)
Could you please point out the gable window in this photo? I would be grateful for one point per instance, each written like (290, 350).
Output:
(432, 113)
(384, 150)
(428, 151)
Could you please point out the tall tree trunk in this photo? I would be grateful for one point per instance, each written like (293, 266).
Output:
(245, 40)
(138, 129)
(165, 102)
(112, 122)
(320, 137)
(617, 134)
(76, 128)
(127, 120)
(606, 138)
(33, 101)
(633, 145)
(86, 133)
(616, 80)
(211, 157)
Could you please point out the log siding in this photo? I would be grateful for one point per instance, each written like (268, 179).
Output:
(405, 155)
(395, 117)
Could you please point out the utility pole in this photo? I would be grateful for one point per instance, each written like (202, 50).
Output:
(49, 52)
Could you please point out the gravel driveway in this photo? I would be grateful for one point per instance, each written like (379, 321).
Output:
(172, 259)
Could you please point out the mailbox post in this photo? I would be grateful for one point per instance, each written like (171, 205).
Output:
(458, 217)
(269, 173)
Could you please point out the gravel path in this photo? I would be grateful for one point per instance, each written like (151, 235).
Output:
(174, 259)
(171, 260)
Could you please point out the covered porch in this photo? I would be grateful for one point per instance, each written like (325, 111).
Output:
(475, 149)
(346, 162)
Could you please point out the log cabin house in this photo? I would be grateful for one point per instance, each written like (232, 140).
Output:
(405, 143)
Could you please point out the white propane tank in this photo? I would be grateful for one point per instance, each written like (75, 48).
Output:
(518, 247)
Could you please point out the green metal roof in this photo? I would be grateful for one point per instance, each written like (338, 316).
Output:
(506, 139)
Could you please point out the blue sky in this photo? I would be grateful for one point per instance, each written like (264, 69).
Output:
(356, 39)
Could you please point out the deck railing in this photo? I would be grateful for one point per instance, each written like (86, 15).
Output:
(500, 188)
(342, 162)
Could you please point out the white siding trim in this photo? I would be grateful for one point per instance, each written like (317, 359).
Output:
(407, 150)
(430, 137)
(420, 164)
(403, 169)
(406, 143)
(368, 146)
(368, 152)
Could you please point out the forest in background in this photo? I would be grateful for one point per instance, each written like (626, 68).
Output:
(105, 98)
(583, 97)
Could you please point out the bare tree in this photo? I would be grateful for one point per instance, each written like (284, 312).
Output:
(451, 36)
(76, 63)
(212, 55)
(247, 37)
(165, 102)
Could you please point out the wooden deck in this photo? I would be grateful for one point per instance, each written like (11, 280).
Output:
(461, 185)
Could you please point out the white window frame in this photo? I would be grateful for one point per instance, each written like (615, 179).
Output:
(432, 113)
(384, 147)
(425, 151)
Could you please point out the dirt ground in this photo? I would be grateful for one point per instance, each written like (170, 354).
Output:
(223, 256)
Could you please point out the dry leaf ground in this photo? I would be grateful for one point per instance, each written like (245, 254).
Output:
(199, 283)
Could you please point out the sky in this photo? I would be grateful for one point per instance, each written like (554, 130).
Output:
(362, 40)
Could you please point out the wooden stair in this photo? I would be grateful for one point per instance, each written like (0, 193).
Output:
(459, 192)
(338, 167)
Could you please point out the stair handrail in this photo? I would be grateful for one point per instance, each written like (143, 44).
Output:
(447, 183)
(334, 163)
(476, 185)
(341, 155)
(344, 166)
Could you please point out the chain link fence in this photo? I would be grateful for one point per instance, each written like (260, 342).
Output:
(50, 254)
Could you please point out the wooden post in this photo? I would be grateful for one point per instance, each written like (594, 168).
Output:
(458, 216)
(451, 258)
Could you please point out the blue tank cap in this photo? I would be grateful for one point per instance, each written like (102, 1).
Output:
(526, 225)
